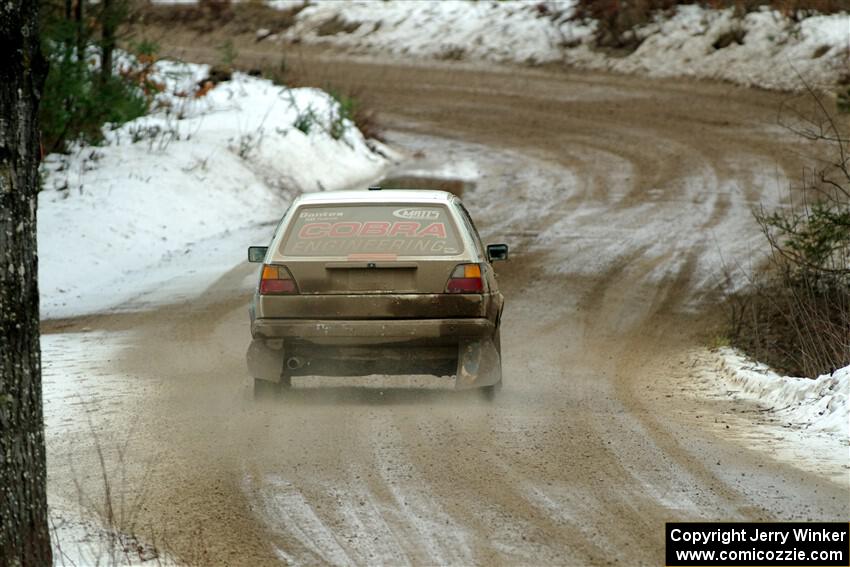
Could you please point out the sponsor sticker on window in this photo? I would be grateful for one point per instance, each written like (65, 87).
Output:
(370, 229)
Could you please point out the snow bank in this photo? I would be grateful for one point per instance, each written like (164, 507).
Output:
(771, 53)
(194, 170)
(500, 31)
(768, 51)
(817, 405)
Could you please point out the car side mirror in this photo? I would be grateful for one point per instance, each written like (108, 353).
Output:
(257, 254)
(496, 252)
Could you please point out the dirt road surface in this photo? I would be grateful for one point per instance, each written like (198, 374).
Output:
(619, 197)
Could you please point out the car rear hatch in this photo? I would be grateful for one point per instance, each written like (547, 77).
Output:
(377, 260)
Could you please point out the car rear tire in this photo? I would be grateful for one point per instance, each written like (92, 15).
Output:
(489, 392)
(264, 389)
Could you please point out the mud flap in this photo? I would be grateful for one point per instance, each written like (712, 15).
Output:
(265, 359)
(478, 364)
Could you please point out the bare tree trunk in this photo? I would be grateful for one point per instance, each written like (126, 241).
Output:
(108, 22)
(80, 17)
(68, 38)
(24, 535)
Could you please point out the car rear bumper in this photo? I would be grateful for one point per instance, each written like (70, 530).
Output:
(371, 330)
(377, 305)
(467, 344)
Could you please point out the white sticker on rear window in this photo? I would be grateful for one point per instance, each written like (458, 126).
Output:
(419, 214)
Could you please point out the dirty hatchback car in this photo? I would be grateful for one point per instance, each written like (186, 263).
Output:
(376, 282)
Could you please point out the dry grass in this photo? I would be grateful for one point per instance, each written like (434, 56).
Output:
(206, 16)
(796, 324)
(795, 315)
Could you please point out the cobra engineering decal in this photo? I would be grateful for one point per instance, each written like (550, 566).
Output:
(376, 229)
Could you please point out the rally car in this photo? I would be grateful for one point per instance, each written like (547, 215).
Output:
(391, 282)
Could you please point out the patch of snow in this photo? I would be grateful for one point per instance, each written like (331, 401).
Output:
(79, 538)
(286, 4)
(818, 405)
(799, 421)
(283, 504)
(442, 536)
(496, 31)
(763, 48)
(771, 52)
(185, 177)
(466, 171)
(81, 390)
(90, 353)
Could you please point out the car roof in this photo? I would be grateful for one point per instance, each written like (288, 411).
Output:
(375, 196)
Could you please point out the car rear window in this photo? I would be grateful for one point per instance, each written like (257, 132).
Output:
(397, 230)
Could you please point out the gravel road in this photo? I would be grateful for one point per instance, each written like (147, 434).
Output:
(622, 198)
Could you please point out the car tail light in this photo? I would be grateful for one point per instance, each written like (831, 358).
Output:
(466, 278)
(277, 280)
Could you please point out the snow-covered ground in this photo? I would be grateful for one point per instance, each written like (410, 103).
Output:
(802, 421)
(81, 530)
(118, 219)
(816, 405)
(763, 48)
(80, 539)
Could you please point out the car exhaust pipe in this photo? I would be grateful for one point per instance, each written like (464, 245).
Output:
(295, 362)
